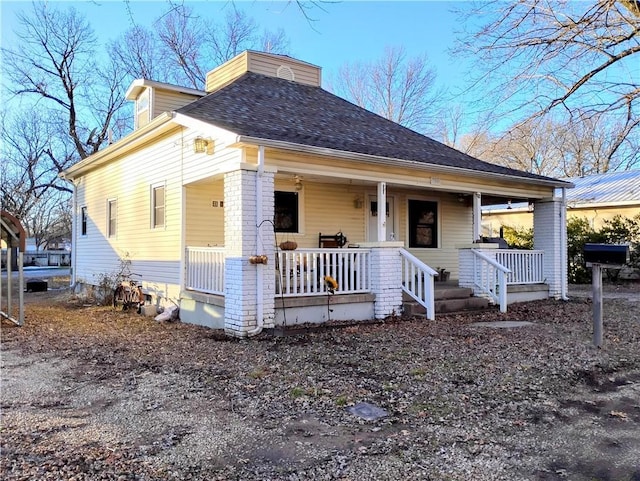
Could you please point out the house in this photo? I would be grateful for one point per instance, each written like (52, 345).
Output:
(202, 193)
(597, 198)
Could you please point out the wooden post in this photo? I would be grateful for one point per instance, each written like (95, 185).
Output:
(596, 283)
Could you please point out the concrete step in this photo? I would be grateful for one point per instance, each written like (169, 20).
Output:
(448, 298)
(451, 292)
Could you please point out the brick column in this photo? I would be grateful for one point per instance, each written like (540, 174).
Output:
(241, 242)
(386, 278)
(548, 226)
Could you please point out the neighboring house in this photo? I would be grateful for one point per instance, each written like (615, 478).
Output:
(597, 198)
(202, 193)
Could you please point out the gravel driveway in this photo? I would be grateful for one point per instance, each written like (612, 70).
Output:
(91, 393)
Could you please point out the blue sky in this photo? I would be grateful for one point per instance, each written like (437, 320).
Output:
(348, 31)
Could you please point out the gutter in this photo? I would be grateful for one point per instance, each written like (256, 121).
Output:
(393, 162)
(564, 254)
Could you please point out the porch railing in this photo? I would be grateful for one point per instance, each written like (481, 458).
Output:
(417, 282)
(205, 269)
(491, 278)
(301, 272)
(526, 266)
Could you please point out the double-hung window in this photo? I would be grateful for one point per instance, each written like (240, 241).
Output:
(158, 206)
(112, 217)
(83, 220)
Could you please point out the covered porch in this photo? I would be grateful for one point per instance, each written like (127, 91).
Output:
(429, 225)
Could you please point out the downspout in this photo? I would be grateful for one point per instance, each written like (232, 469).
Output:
(260, 267)
(74, 237)
(563, 246)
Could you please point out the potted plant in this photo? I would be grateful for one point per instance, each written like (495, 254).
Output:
(443, 274)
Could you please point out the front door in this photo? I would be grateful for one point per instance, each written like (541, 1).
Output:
(372, 209)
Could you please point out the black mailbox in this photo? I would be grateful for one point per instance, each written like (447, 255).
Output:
(606, 254)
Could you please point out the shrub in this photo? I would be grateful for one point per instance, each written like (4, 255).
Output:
(619, 230)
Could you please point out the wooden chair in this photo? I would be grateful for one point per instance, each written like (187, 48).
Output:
(329, 241)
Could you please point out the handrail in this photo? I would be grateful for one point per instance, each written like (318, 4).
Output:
(417, 282)
(491, 278)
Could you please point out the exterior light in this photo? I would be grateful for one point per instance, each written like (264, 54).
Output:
(202, 145)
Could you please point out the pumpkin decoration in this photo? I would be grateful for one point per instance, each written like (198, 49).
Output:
(288, 245)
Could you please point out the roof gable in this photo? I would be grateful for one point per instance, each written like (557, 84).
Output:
(275, 109)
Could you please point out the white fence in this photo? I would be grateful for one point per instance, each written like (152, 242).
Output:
(205, 269)
(301, 272)
(526, 266)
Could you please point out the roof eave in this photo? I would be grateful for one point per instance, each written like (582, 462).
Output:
(323, 151)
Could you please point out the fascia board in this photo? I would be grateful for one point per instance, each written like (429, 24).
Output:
(322, 151)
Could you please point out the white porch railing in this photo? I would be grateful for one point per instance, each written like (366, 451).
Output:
(417, 282)
(526, 266)
(205, 269)
(301, 271)
(491, 278)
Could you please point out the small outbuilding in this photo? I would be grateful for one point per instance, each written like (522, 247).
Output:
(12, 235)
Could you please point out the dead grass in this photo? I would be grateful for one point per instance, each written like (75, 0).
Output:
(175, 401)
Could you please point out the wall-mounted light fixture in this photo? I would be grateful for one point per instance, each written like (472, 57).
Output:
(358, 202)
(202, 145)
(297, 179)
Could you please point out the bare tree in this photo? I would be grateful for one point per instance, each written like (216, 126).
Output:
(181, 37)
(55, 66)
(183, 47)
(394, 86)
(578, 57)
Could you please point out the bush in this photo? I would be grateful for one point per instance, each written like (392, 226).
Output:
(619, 230)
(518, 237)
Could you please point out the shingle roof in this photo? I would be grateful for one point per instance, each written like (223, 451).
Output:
(271, 108)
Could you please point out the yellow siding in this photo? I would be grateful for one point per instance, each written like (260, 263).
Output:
(226, 72)
(492, 222)
(204, 221)
(166, 101)
(597, 217)
(268, 65)
(261, 63)
(329, 208)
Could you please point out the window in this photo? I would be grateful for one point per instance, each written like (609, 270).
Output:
(286, 211)
(423, 224)
(157, 206)
(83, 220)
(112, 215)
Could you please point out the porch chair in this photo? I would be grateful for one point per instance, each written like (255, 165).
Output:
(335, 240)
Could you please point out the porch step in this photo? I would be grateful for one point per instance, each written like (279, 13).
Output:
(448, 298)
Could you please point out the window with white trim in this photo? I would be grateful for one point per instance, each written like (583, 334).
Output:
(287, 211)
(423, 223)
(83, 220)
(112, 217)
(158, 206)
